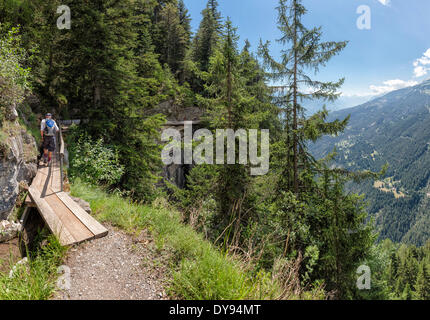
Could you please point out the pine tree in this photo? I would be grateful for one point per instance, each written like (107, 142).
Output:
(407, 293)
(306, 53)
(226, 98)
(207, 36)
(422, 284)
(338, 221)
(172, 39)
(184, 18)
(114, 78)
(261, 113)
(232, 101)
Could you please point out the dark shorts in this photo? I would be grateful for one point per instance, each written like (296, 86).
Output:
(49, 143)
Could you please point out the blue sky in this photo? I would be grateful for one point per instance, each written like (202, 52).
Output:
(393, 54)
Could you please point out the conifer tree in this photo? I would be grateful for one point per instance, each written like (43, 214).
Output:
(172, 37)
(338, 221)
(225, 103)
(184, 18)
(112, 78)
(207, 36)
(235, 97)
(407, 293)
(306, 53)
(422, 284)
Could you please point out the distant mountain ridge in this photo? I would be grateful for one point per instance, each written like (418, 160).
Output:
(342, 103)
(394, 128)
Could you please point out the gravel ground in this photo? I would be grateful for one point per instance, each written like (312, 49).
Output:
(116, 267)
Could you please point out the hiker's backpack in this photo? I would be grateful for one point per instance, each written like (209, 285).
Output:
(49, 127)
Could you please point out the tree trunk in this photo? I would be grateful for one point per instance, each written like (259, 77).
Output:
(295, 107)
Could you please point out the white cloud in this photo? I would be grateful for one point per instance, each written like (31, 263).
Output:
(385, 2)
(422, 65)
(424, 61)
(420, 71)
(376, 90)
(391, 85)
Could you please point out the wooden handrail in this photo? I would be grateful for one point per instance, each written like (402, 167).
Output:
(61, 143)
(61, 155)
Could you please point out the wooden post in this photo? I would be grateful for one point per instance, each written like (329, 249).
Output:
(61, 155)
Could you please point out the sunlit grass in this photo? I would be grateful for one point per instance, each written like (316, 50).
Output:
(36, 279)
(198, 269)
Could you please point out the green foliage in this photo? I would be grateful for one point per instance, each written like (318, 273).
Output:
(422, 283)
(172, 35)
(399, 272)
(304, 53)
(199, 270)
(196, 201)
(338, 224)
(140, 151)
(14, 78)
(206, 39)
(94, 162)
(29, 121)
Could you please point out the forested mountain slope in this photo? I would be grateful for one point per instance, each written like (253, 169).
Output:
(394, 128)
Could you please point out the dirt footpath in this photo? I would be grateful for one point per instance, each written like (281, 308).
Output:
(116, 267)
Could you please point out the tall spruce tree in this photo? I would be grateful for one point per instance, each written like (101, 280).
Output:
(207, 37)
(225, 110)
(337, 221)
(112, 77)
(184, 18)
(422, 284)
(172, 38)
(305, 53)
(235, 97)
(319, 217)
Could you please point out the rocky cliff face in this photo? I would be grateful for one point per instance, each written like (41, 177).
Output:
(18, 158)
(176, 173)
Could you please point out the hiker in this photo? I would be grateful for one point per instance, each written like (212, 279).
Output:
(48, 129)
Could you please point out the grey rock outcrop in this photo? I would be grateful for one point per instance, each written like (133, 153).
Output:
(18, 158)
(174, 112)
(82, 203)
(9, 230)
(176, 173)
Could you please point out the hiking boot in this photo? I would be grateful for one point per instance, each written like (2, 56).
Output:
(45, 160)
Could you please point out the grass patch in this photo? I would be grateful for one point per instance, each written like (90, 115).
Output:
(199, 270)
(36, 279)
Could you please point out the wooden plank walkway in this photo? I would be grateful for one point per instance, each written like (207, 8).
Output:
(66, 219)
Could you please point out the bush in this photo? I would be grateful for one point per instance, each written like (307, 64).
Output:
(94, 162)
(13, 77)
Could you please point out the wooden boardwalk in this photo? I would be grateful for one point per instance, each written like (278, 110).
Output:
(64, 217)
